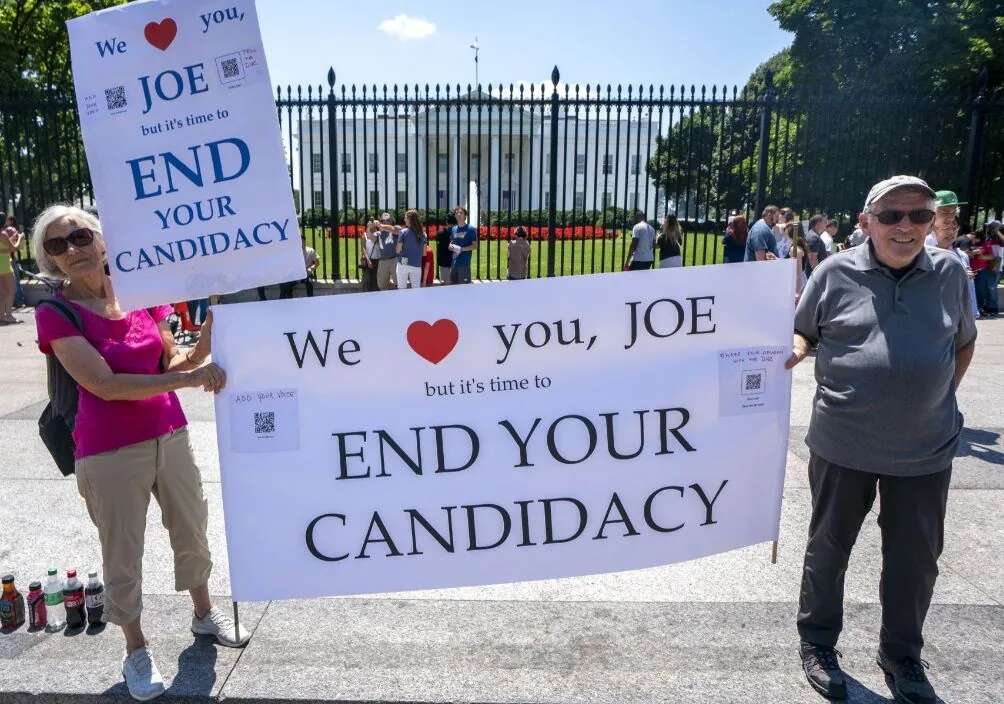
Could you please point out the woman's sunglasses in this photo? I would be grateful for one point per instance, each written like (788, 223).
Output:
(54, 246)
(917, 217)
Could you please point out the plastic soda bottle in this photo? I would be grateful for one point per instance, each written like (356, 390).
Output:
(11, 605)
(53, 602)
(73, 601)
(36, 607)
(94, 599)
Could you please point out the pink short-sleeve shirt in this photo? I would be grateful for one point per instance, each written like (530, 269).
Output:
(132, 345)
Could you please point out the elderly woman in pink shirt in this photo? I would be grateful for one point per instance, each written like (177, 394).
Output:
(130, 432)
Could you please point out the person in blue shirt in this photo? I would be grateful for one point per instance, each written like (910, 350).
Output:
(463, 241)
(761, 243)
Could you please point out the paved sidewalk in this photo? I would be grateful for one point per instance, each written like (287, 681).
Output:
(720, 629)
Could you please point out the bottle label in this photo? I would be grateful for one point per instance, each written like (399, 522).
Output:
(6, 609)
(94, 601)
(53, 598)
(74, 601)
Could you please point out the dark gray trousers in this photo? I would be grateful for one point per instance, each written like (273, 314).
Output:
(912, 520)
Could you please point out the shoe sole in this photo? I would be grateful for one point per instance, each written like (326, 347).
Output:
(244, 641)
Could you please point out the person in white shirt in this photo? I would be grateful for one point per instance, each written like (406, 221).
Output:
(827, 235)
(641, 253)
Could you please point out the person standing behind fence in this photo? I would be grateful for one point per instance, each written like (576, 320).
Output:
(641, 253)
(734, 240)
(670, 243)
(815, 247)
(784, 217)
(369, 257)
(10, 240)
(463, 241)
(796, 252)
(410, 248)
(761, 243)
(387, 247)
(444, 257)
(519, 256)
(860, 233)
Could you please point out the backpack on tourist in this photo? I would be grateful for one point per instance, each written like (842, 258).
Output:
(55, 425)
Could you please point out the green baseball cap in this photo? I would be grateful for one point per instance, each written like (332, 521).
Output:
(945, 198)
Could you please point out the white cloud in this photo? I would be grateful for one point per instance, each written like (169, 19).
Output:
(405, 27)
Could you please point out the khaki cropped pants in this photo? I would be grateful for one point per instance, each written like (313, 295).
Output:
(116, 487)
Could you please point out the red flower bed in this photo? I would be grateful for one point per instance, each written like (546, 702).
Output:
(504, 232)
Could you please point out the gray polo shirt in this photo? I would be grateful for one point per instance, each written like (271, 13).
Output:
(885, 363)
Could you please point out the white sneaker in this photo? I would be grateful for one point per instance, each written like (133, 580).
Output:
(221, 627)
(142, 676)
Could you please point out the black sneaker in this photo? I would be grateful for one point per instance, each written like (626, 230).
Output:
(906, 679)
(823, 671)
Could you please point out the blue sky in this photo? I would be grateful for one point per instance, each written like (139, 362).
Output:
(591, 41)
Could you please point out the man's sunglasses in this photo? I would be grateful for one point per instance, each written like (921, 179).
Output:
(917, 217)
(54, 246)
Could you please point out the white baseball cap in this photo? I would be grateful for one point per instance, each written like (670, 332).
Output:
(883, 188)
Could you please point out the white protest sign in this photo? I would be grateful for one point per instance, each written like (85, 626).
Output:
(502, 432)
(184, 150)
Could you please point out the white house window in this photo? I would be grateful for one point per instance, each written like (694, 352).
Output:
(580, 201)
(442, 160)
(318, 199)
(636, 164)
(580, 163)
(606, 200)
(346, 163)
(374, 199)
(402, 198)
(374, 164)
(607, 164)
(315, 163)
(402, 163)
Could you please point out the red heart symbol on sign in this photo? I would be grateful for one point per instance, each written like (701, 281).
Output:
(433, 342)
(162, 33)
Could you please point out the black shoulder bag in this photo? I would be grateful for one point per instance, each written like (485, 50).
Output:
(55, 425)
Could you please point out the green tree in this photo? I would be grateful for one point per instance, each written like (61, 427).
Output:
(859, 53)
(41, 156)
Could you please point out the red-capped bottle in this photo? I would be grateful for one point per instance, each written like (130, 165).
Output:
(73, 600)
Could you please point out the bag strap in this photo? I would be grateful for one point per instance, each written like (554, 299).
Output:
(65, 310)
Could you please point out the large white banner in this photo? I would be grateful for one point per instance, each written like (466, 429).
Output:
(184, 150)
(500, 432)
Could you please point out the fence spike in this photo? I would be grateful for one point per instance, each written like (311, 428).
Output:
(331, 77)
(555, 75)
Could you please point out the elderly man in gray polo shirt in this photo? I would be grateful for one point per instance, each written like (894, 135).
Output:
(894, 334)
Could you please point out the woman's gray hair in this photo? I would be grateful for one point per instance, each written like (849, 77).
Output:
(45, 219)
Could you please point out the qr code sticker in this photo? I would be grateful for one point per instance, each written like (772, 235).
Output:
(115, 99)
(753, 381)
(230, 68)
(264, 422)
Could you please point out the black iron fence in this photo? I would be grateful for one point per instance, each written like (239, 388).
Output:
(568, 163)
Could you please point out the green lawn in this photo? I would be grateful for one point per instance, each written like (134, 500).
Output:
(489, 261)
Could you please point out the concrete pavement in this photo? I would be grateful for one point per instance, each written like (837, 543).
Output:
(720, 629)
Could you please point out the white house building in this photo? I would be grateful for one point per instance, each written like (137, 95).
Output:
(426, 159)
